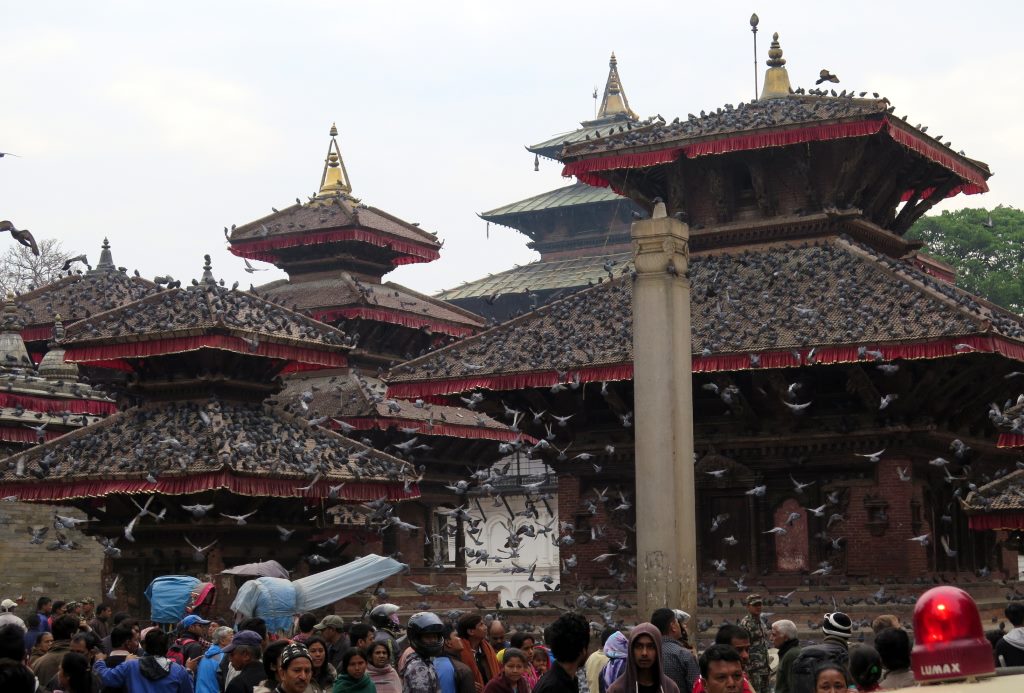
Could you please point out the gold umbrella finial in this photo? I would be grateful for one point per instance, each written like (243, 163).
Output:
(334, 180)
(776, 79)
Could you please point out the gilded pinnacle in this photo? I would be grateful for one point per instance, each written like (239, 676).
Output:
(776, 79)
(334, 180)
(775, 58)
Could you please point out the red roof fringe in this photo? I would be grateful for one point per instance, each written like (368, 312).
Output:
(438, 429)
(394, 317)
(1010, 440)
(257, 250)
(711, 364)
(11, 434)
(35, 490)
(113, 354)
(585, 169)
(35, 334)
(1011, 521)
(75, 406)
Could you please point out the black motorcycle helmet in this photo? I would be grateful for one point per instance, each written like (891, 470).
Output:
(384, 616)
(425, 623)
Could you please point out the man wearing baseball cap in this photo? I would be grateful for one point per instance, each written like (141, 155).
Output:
(757, 665)
(8, 616)
(331, 629)
(190, 637)
(244, 653)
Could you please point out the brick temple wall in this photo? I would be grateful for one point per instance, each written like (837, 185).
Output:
(33, 571)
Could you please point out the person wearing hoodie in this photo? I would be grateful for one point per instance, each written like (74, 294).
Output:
(153, 673)
(616, 649)
(644, 672)
(206, 671)
(1010, 649)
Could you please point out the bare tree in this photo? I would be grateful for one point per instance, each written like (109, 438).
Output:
(21, 271)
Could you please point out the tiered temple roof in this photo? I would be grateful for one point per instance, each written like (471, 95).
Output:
(336, 250)
(78, 296)
(204, 356)
(576, 229)
(762, 307)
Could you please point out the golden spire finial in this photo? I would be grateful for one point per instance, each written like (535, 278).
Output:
(334, 180)
(776, 79)
(614, 101)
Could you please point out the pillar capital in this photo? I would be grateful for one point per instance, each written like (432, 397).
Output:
(659, 245)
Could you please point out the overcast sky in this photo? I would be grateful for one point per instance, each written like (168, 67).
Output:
(157, 125)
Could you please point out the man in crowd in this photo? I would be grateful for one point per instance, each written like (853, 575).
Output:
(244, 652)
(595, 663)
(99, 622)
(784, 639)
(738, 640)
(477, 653)
(643, 672)
(568, 639)
(153, 673)
(191, 632)
(496, 635)
(893, 646)
(7, 615)
(295, 670)
(123, 644)
(834, 647)
(384, 617)
(420, 673)
(757, 662)
(721, 670)
(44, 607)
(1010, 649)
(330, 629)
(360, 635)
(678, 662)
(885, 621)
(63, 629)
(305, 626)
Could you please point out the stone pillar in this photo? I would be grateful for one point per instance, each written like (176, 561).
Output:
(663, 403)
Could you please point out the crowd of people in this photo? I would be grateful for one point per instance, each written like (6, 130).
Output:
(82, 647)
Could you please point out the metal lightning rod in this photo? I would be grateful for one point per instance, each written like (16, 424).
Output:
(753, 28)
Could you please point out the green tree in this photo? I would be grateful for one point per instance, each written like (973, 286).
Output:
(986, 248)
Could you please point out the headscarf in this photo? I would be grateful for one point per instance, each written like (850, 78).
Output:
(616, 649)
(468, 657)
(627, 683)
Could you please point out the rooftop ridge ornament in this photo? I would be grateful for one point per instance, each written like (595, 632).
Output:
(208, 271)
(334, 180)
(776, 79)
(106, 263)
(10, 316)
(58, 330)
(614, 101)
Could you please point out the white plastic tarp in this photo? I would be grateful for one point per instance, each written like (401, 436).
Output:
(275, 599)
(259, 569)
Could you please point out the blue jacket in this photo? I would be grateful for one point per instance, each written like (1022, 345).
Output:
(146, 675)
(206, 673)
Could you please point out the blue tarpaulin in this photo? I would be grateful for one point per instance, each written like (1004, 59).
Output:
(168, 596)
(276, 600)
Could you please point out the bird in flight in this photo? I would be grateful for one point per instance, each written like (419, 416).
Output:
(23, 236)
(826, 76)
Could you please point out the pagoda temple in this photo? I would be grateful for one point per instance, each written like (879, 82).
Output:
(75, 297)
(199, 472)
(37, 406)
(336, 250)
(580, 231)
(840, 379)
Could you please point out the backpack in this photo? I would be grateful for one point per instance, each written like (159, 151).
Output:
(176, 652)
(805, 666)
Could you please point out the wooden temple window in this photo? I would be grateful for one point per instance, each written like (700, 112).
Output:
(878, 515)
(916, 519)
(582, 532)
(792, 549)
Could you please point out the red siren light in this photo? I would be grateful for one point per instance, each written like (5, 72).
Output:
(949, 642)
